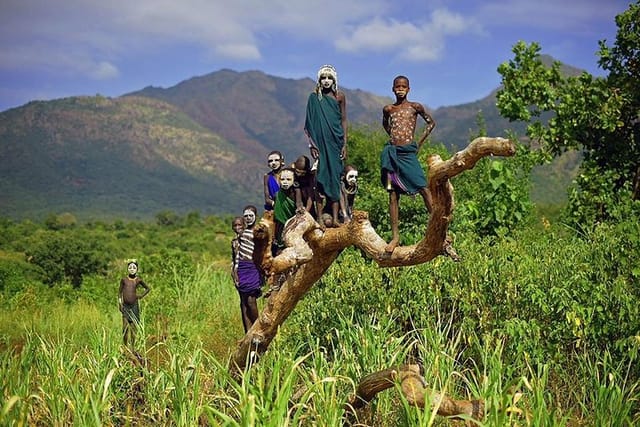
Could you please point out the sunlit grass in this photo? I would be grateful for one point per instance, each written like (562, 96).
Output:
(63, 363)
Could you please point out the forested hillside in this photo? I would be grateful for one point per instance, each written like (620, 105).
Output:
(199, 145)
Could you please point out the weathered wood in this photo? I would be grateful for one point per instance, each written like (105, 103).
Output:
(413, 387)
(310, 250)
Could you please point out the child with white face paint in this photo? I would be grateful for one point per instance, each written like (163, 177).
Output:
(275, 161)
(326, 128)
(128, 302)
(288, 199)
(238, 228)
(249, 278)
(349, 188)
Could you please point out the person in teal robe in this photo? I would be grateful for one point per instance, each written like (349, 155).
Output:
(326, 127)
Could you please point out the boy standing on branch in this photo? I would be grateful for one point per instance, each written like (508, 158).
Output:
(401, 170)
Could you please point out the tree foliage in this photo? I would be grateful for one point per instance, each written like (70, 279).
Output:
(599, 116)
(63, 256)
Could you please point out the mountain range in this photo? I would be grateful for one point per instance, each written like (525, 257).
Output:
(200, 145)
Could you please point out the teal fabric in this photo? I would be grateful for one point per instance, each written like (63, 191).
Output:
(323, 125)
(402, 160)
(284, 207)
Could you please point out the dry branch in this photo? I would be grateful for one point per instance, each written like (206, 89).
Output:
(311, 251)
(413, 387)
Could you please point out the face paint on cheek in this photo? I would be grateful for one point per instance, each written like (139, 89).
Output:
(274, 162)
(132, 269)
(326, 82)
(352, 178)
(286, 180)
(249, 217)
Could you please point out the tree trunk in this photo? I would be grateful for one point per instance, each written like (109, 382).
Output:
(310, 251)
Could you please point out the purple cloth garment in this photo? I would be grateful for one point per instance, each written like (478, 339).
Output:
(249, 278)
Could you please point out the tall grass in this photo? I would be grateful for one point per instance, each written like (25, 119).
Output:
(55, 380)
(515, 325)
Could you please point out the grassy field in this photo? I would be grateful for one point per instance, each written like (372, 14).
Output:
(542, 327)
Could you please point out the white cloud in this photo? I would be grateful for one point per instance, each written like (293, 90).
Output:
(103, 71)
(405, 39)
(242, 51)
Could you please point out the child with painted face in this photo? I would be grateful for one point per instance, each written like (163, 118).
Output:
(238, 227)
(128, 302)
(326, 129)
(249, 279)
(275, 161)
(288, 199)
(349, 188)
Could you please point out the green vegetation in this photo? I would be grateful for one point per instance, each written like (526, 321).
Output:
(543, 324)
(540, 319)
(598, 116)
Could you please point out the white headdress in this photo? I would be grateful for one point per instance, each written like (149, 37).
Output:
(331, 70)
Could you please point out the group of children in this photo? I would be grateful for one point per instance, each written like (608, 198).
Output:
(322, 185)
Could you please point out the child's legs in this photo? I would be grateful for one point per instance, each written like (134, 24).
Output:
(249, 310)
(335, 206)
(252, 308)
(125, 330)
(243, 313)
(128, 331)
(394, 202)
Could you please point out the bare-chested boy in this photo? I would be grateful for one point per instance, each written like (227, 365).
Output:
(305, 181)
(128, 301)
(401, 170)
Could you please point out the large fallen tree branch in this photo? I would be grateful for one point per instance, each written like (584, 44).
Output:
(413, 387)
(310, 251)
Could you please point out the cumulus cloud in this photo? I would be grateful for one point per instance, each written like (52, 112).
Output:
(94, 38)
(407, 40)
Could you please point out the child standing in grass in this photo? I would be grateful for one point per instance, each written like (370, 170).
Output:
(128, 301)
(249, 277)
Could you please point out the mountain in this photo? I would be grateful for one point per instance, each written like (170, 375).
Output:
(199, 145)
(105, 157)
(258, 112)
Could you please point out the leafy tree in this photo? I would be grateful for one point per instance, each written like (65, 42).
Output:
(599, 116)
(167, 218)
(495, 194)
(64, 256)
(58, 222)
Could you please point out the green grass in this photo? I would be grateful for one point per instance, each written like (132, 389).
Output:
(541, 327)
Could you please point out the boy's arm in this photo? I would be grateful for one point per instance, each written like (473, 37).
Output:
(146, 287)
(120, 294)
(385, 120)
(267, 199)
(343, 202)
(298, 196)
(429, 122)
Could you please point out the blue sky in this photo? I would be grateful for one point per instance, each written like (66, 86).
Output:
(450, 49)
